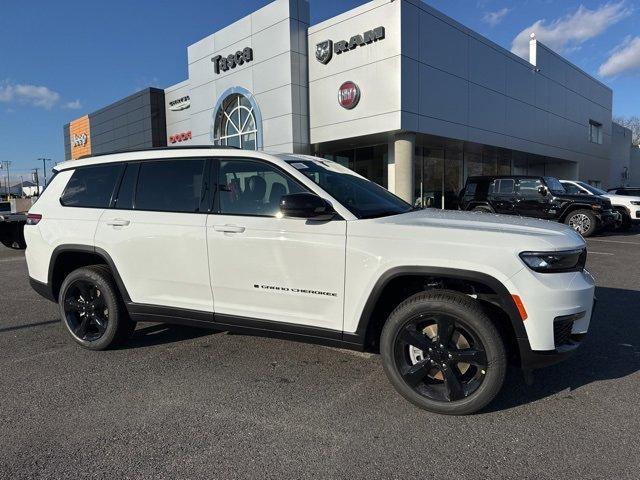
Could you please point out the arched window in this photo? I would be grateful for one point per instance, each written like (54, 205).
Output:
(237, 121)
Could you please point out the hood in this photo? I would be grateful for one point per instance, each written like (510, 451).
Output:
(481, 226)
(590, 199)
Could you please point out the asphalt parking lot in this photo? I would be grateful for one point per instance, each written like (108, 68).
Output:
(188, 403)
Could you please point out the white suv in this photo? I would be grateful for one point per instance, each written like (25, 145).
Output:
(303, 248)
(622, 201)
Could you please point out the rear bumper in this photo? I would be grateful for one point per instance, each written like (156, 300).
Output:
(42, 289)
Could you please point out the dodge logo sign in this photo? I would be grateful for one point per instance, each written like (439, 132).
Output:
(348, 95)
(180, 137)
(324, 51)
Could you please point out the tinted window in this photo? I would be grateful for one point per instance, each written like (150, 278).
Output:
(363, 198)
(571, 188)
(529, 187)
(250, 187)
(91, 186)
(554, 184)
(630, 192)
(503, 186)
(170, 186)
(470, 189)
(127, 187)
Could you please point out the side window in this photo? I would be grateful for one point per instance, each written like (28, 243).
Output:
(249, 187)
(572, 189)
(506, 186)
(170, 185)
(470, 189)
(124, 200)
(91, 186)
(528, 188)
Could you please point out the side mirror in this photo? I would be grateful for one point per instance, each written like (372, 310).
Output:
(306, 205)
(542, 190)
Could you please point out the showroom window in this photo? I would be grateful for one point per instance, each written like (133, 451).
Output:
(595, 132)
(237, 121)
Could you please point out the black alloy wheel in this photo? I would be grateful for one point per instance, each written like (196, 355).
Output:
(443, 353)
(439, 358)
(86, 312)
(91, 309)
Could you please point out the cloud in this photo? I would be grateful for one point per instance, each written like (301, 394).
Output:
(569, 32)
(495, 18)
(624, 58)
(75, 105)
(37, 96)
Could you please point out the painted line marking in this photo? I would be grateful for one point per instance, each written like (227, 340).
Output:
(7, 260)
(589, 252)
(613, 241)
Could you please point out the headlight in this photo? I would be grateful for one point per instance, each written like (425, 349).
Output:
(634, 202)
(555, 262)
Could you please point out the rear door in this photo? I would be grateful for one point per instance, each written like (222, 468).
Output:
(267, 267)
(502, 195)
(155, 232)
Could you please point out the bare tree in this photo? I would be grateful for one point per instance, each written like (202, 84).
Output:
(633, 124)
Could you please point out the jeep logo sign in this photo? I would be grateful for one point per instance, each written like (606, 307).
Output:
(348, 95)
(79, 140)
(325, 49)
(223, 64)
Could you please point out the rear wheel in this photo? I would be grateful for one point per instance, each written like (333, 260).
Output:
(582, 221)
(442, 353)
(481, 209)
(91, 310)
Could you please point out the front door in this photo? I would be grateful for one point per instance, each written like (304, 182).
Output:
(271, 268)
(503, 196)
(530, 201)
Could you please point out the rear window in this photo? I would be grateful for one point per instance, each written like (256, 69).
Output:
(170, 186)
(91, 186)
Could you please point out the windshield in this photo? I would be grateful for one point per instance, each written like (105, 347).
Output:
(592, 189)
(363, 198)
(554, 184)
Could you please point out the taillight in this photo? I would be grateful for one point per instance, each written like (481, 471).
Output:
(33, 218)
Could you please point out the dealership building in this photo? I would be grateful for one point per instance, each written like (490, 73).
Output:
(393, 89)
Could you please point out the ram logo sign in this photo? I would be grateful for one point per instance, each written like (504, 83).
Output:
(326, 49)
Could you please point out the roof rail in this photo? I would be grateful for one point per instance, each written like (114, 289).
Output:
(177, 147)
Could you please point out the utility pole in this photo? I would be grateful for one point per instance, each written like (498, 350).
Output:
(6, 164)
(36, 180)
(21, 186)
(44, 168)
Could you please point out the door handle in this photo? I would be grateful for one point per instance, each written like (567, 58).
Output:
(118, 222)
(228, 228)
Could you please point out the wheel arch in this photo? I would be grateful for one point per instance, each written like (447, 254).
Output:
(69, 257)
(484, 203)
(398, 283)
(572, 208)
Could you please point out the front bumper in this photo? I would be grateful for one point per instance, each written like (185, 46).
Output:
(559, 308)
(608, 218)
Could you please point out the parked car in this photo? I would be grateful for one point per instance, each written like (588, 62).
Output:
(298, 247)
(11, 227)
(538, 197)
(627, 205)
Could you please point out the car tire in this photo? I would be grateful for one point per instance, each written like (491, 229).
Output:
(481, 209)
(92, 312)
(473, 385)
(626, 223)
(582, 221)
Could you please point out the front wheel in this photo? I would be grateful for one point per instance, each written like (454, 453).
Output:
(582, 221)
(442, 353)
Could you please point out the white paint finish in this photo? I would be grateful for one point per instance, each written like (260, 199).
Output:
(278, 130)
(238, 32)
(277, 102)
(272, 74)
(302, 255)
(160, 256)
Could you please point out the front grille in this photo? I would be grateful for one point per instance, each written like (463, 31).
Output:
(562, 332)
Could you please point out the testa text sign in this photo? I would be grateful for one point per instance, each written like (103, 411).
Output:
(222, 64)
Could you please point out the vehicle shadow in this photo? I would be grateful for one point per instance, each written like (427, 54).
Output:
(611, 350)
(152, 334)
(633, 231)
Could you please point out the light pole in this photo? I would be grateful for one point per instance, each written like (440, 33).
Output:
(44, 168)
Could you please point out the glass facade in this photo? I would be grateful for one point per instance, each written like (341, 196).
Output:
(370, 162)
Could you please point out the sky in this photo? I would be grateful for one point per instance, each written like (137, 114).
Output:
(60, 60)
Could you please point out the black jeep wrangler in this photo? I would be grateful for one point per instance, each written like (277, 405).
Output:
(539, 197)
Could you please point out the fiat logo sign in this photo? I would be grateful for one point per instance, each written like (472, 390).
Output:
(348, 95)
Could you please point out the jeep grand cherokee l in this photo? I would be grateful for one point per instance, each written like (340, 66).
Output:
(298, 247)
(537, 197)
